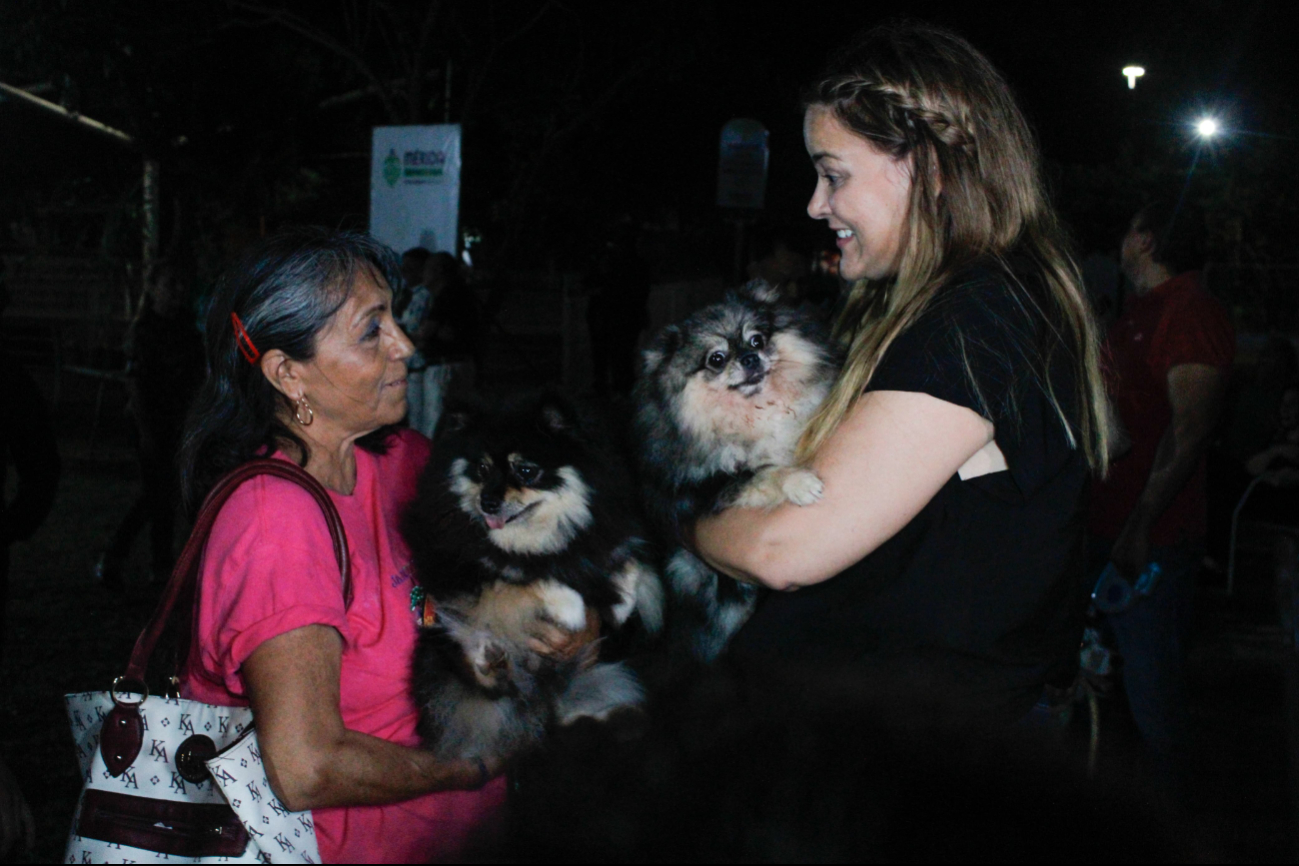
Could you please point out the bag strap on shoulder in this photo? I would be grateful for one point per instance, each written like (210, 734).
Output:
(184, 577)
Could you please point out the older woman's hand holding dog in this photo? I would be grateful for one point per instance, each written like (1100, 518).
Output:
(559, 644)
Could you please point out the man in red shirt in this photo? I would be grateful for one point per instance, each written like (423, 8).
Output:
(1168, 358)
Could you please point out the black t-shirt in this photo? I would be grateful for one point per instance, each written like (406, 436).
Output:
(978, 602)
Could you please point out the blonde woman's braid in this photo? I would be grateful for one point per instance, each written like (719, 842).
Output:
(945, 128)
(904, 111)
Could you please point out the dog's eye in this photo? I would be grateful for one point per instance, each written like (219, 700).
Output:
(527, 474)
(716, 361)
(757, 341)
(484, 468)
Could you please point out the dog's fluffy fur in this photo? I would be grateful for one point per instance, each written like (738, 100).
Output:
(518, 522)
(721, 402)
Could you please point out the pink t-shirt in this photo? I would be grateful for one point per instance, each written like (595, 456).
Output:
(269, 568)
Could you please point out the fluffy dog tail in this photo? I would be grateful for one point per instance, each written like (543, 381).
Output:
(599, 691)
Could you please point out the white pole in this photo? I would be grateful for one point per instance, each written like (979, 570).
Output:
(71, 116)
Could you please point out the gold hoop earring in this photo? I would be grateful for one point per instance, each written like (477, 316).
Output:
(300, 404)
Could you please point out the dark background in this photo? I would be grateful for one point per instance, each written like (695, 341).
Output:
(578, 114)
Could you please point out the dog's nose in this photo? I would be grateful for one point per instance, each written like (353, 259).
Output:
(489, 504)
(751, 362)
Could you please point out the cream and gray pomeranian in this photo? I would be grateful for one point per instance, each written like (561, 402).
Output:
(520, 521)
(721, 402)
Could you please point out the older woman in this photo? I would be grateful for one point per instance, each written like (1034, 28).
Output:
(306, 363)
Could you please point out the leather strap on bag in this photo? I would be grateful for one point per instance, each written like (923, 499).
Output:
(123, 732)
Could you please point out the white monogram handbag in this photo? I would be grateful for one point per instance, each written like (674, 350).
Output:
(167, 780)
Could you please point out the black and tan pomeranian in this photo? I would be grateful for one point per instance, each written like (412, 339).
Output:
(520, 521)
(721, 402)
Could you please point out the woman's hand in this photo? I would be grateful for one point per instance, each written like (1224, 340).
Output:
(561, 645)
(312, 760)
(472, 775)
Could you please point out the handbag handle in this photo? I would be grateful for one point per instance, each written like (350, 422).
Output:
(184, 577)
(122, 733)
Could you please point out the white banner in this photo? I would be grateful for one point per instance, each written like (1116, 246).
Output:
(415, 186)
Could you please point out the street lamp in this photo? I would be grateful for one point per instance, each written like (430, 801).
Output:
(1132, 73)
(1206, 128)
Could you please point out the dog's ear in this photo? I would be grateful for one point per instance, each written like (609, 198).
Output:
(660, 350)
(456, 416)
(555, 415)
(759, 291)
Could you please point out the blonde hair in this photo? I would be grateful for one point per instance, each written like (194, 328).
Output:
(926, 95)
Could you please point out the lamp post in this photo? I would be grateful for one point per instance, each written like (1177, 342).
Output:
(1132, 73)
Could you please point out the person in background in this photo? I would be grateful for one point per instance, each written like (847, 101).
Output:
(781, 260)
(1103, 281)
(452, 329)
(1250, 425)
(27, 442)
(448, 339)
(412, 275)
(778, 263)
(1254, 415)
(164, 365)
(411, 319)
(1274, 500)
(1281, 457)
(441, 320)
(1170, 350)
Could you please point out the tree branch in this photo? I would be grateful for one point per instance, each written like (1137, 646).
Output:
(485, 70)
(296, 24)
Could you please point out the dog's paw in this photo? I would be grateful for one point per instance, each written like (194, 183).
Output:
(562, 606)
(598, 692)
(763, 490)
(638, 589)
(802, 486)
(774, 485)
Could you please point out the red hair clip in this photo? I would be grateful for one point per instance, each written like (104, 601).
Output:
(243, 341)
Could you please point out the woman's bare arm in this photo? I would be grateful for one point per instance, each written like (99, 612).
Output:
(312, 761)
(890, 456)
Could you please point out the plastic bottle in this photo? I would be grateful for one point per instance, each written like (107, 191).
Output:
(1113, 593)
(1149, 580)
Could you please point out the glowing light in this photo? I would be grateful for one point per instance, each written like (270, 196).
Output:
(1207, 128)
(1132, 73)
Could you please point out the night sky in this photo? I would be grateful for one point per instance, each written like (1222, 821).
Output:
(246, 99)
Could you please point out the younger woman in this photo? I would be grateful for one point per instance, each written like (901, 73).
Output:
(942, 570)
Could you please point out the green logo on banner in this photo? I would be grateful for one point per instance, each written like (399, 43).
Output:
(392, 168)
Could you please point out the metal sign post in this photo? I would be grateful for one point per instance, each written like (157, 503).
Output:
(742, 158)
